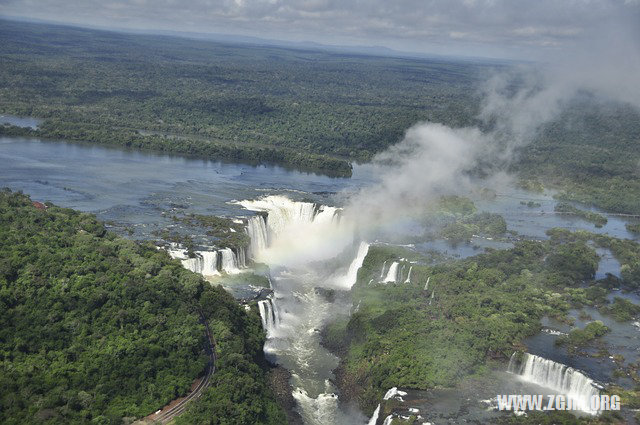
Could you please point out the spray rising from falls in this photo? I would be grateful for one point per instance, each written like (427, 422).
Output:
(555, 376)
(301, 243)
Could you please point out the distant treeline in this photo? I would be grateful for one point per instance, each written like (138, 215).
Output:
(314, 110)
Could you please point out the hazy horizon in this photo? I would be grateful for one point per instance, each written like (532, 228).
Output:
(500, 29)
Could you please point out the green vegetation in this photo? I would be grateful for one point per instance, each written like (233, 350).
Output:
(300, 108)
(598, 219)
(484, 223)
(474, 309)
(531, 204)
(229, 233)
(99, 329)
(458, 220)
(230, 280)
(622, 310)
(582, 337)
(312, 110)
(626, 251)
(635, 228)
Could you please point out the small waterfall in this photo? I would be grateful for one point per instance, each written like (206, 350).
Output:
(426, 285)
(392, 274)
(383, 267)
(408, 279)
(242, 257)
(374, 418)
(228, 261)
(257, 231)
(400, 274)
(352, 274)
(388, 420)
(269, 315)
(204, 263)
(557, 376)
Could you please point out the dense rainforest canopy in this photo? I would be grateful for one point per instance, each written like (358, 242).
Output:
(99, 329)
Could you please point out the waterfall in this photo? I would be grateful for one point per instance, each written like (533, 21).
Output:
(204, 263)
(388, 420)
(282, 213)
(556, 376)
(394, 393)
(392, 274)
(408, 279)
(242, 258)
(400, 274)
(295, 232)
(383, 266)
(374, 418)
(257, 231)
(228, 261)
(269, 315)
(426, 285)
(352, 274)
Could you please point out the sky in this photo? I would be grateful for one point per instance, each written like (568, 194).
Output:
(513, 29)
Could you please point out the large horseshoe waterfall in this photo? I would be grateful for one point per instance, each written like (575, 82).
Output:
(309, 249)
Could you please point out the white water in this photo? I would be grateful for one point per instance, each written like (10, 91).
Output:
(296, 232)
(298, 241)
(392, 274)
(408, 279)
(257, 231)
(228, 261)
(394, 393)
(352, 274)
(269, 315)
(383, 267)
(374, 418)
(211, 263)
(557, 377)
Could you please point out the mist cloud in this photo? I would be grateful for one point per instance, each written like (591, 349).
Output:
(434, 160)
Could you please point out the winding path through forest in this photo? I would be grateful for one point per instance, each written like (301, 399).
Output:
(176, 407)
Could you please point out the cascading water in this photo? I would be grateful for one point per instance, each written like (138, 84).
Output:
(299, 242)
(558, 377)
(228, 261)
(374, 417)
(392, 274)
(210, 263)
(355, 265)
(408, 279)
(257, 231)
(384, 265)
(269, 315)
(204, 263)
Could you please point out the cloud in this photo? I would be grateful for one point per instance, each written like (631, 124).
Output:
(517, 28)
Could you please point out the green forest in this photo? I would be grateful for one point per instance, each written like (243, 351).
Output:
(313, 110)
(472, 312)
(98, 329)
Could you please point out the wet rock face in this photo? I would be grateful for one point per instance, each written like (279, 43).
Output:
(279, 381)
